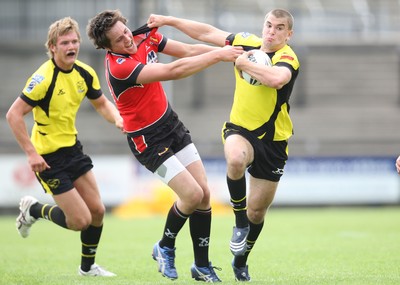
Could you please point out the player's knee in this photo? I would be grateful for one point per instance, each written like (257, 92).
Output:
(79, 223)
(197, 197)
(206, 197)
(256, 216)
(98, 214)
(236, 166)
(99, 211)
(193, 199)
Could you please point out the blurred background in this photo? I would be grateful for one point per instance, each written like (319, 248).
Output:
(345, 105)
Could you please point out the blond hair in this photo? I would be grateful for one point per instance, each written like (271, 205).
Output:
(60, 28)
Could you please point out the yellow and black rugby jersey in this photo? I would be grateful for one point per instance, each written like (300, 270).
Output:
(56, 96)
(261, 109)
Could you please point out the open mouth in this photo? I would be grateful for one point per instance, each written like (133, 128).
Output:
(71, 53)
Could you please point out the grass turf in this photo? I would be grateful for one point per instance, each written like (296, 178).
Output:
(297, 246)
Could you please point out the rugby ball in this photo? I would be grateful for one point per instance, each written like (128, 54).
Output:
(260, 57)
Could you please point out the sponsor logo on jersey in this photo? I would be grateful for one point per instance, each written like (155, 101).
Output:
(120, 60)
(286, 56)
(36, 79)
(152, 57)
(153, 40)
(81, 86)
(61, 92)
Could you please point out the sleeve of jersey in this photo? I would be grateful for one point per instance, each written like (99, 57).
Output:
(287, 58)
(162, 41)
(229, 40)
(94, 89)
(246, 40)
(34, 90)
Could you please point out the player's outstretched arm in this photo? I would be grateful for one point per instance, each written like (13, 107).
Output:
(187, 66)
(196, 30)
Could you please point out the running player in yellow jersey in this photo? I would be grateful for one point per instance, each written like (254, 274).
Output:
(54, 94)
(256, 137)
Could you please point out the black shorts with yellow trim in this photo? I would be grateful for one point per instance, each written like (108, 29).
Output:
(67, 164)
(269, 156)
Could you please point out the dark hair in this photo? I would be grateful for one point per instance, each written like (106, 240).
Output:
(100, 24)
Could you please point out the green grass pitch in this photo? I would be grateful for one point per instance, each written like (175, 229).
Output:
(297, 246)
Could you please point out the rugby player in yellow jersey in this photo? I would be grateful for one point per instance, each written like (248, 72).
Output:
(256, 136)
(54, 94)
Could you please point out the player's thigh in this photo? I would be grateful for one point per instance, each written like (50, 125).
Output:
(197, 170)
(190, 158)
(188, 190)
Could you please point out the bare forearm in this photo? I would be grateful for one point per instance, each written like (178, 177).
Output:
(19, 130)
(193, 29)
(196, 30)
(200, 49)
(187, 66)
(109, 112)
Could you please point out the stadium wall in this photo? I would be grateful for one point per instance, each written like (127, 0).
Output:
(307, 182)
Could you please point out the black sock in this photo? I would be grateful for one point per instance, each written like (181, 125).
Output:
(174, 223)
(52, 213)
(255, 230)
(237, 191)
(90, 240)
(200, 228)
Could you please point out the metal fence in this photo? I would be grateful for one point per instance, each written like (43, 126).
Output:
(369, 20)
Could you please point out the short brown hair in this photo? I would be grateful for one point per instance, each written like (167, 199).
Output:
(280, 13)
(60, 28)
(100, 24)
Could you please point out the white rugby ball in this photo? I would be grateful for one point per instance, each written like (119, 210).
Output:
(260, 57)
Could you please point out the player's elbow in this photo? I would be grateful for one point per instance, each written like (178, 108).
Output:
(276, 83)
(10, 117)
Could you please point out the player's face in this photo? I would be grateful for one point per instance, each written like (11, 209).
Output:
(276, 33)
(66, 50)
(121, 39)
